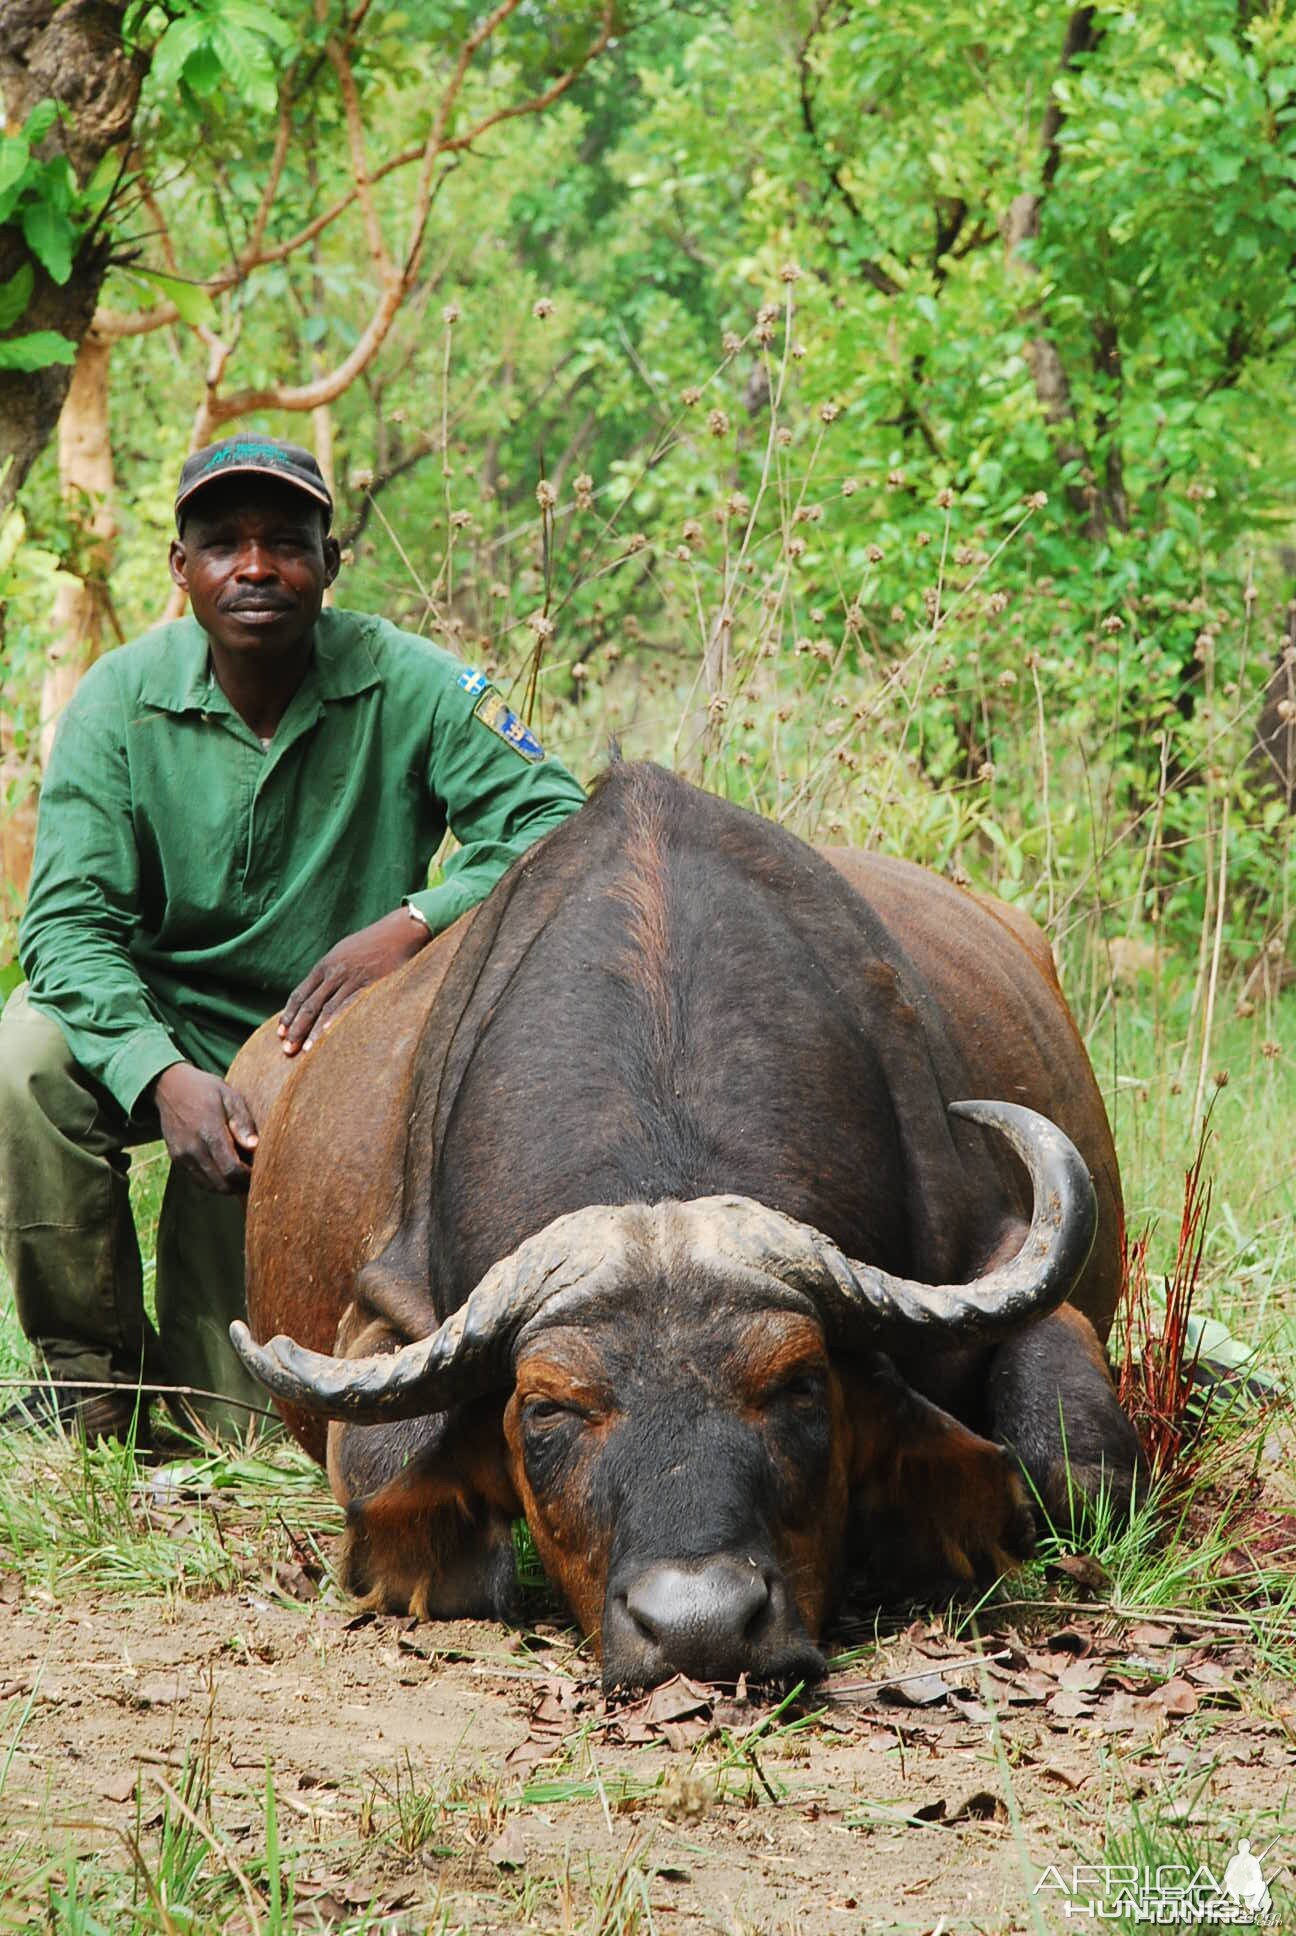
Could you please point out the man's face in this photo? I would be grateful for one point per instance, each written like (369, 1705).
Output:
(255, 562)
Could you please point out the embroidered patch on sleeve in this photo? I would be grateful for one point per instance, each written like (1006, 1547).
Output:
(473, 681)
(505, 724)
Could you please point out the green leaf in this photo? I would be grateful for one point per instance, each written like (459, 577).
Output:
(181, 39)
(36, 351)
(15, 154)
(248, 18)
(203, 72)
(40, 121)
(193, 304)
(248, 64)
(15, 296)
(51, 237)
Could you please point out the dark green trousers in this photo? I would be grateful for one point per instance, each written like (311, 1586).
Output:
(68, 1240)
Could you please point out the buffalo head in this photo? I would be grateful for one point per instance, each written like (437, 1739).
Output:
(700, 1399)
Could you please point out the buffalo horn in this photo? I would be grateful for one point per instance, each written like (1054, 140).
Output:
(851, 1296)
(468, 1351)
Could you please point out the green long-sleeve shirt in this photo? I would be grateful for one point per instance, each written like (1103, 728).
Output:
(187, 877)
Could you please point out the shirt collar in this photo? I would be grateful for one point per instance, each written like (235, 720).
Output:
(180, 678)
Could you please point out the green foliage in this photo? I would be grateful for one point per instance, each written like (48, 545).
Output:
(203, 46)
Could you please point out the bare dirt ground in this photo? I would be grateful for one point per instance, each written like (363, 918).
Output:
(458, 1776)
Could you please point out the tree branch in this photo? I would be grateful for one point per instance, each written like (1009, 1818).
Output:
(873, 273)
(1022, 226)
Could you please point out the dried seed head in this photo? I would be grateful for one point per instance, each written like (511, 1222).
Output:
(1286, 710)
(1007, 678)
(783, 436)
(361, 479)
(579, 670)
(874, 553)
(829, 412)
(944, 498)
(450, 315)
(1271, 1050)
(797, 352)
(854, 618)
(964, 554)
(541, 624)
(545, 306)
(546, 494)
(636, 542)
(738, 505)
(996, 603)
(690, 395)
(459, 520)
(717, 423)
(922, 539)
(499, 590)
(790, 272)
(986, 771)
(1037, 501)
(768, 313)
(1220, 1078)
(895, 480)
(849, 486)
(692, 531)
(684, 555)
(731, 342)
(1113, 623)
(1197, 493)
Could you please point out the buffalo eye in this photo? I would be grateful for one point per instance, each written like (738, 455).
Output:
(805, 1387)
(545, 1412)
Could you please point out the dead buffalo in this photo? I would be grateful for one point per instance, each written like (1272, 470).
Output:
(648, 1202)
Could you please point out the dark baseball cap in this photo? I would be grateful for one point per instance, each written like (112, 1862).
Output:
(256, 457)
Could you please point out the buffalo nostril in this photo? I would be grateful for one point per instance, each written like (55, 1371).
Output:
(696, 1614)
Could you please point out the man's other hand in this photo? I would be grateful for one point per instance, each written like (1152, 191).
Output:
(338, 977)
(208, 1128)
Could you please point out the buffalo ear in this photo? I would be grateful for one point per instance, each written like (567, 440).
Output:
(934, 1505)
(437, 1537)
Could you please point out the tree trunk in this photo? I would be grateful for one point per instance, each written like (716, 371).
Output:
(83, 609)
(69, 51)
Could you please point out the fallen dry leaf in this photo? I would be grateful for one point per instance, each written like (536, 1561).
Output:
(1070, 1640)
(1176, 1697)
(508, 1850)
(1148, 1634)
(922, 1690)
(675, 1699)
(1065, 1706)
(1083, 1570)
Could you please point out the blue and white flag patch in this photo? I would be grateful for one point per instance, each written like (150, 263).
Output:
(473, 681)
(505, 724)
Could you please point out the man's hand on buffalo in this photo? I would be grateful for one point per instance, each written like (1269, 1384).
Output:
(208, 1128)
(339, 976)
